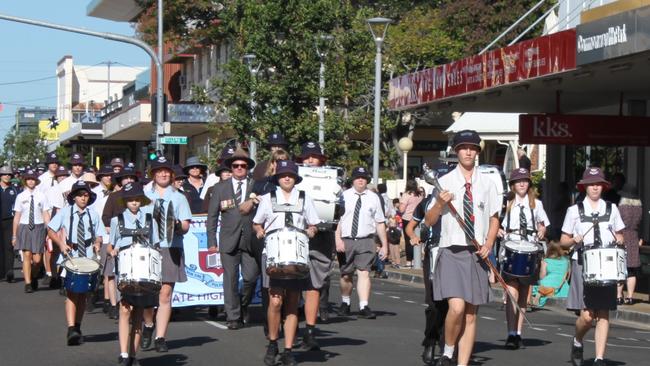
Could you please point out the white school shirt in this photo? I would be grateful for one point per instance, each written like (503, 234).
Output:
(211, 180)
(55, 197)
(486, 203)
(370, 215)
(66, 185)
(47, 180)
(301, 220)
(524, 204)
(23, 201)
(573, 226)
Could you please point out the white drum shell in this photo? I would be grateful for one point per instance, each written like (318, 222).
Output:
(604, 266)
(287, 253)
(139, 267)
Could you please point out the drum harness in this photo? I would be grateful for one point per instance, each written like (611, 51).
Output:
(595, 220)
(528, 231)
(288, 209)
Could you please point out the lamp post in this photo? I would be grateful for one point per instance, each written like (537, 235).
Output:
(249, 61)
(323, 42)
(405, 144)
(378, 27)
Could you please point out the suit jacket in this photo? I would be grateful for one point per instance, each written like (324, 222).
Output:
(236, 230)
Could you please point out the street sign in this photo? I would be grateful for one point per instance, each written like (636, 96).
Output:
(174, 140)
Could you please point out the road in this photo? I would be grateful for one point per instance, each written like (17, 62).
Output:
(33, 330)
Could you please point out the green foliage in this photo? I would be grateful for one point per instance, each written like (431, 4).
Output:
(23, 149)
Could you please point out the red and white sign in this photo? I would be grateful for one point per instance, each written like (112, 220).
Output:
(561, 129)
(522, 61)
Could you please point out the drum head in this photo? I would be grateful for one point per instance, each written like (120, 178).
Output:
(522, 246)
(81, 265)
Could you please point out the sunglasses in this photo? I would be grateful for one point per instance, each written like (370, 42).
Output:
(237, 166)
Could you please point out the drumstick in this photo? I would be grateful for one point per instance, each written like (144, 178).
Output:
(487, 261)
(70, 259)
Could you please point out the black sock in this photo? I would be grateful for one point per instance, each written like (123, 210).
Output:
(287, 350)
(309, 326)
(77, 326)
(72, 328)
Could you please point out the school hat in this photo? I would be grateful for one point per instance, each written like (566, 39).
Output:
(90, 179)
(61, 171)
(239, 155)
(466, 137)
(221, 168)
(126, 172)
(77, 159)
(179, 172)
(51, 158)
(106, 170)
(134, 190)
(80, 185)
(194, 161)
(5, 170)
(360, 172)
(311, 149)
(30, 174)
(226, 152)
(276, 139)
(117, 162)
(283, 167)
(519, 174)
(160, 163)
(593, 175)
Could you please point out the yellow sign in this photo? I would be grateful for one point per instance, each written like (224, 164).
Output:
(51, 133)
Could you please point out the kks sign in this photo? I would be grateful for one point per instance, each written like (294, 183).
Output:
(563, 129)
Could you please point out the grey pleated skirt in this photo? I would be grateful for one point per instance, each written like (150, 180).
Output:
(462, 274)
(173, 265)
(31, 240)
(588, 297)
(108, 262)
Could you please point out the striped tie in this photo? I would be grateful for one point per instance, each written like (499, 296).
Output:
(238, 193)
(31, 213)
(81, 231)
(468, 211)
(598, 240)
(355, 219)
(523, 224)
(158, 215)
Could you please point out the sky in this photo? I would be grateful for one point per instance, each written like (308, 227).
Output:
(29, 52)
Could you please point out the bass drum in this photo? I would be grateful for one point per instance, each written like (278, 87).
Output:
(322, 184)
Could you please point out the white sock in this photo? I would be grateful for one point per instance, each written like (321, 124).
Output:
(345, 299)
(124, 355)
(148, 325)
(48, 274)
(448, 351)
(597, 358)
(519, 333)
(576, 343)
(363, 304)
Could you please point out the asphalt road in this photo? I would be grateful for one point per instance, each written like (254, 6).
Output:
(32, 332)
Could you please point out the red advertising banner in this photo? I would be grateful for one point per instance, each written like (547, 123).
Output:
(537, 57)
(560, 129)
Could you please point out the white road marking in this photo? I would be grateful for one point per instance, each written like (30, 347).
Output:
(409, 301)
(625, 346)
(215, 324)
(564, 335)
(488, 318)
(425, 305)
(378, 293)
(540, 329)
(394, 297)
(641, 332)
(627, 339)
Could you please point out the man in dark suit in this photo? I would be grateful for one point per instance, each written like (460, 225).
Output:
(229, 210)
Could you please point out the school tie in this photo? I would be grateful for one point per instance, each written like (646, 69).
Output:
(468, 211)
(159, 214)
(81, 230)
(106, 192)
(355, 219)
(31, 213)
(238, 192)
(598, 241)
(288, 219)
(523, 225)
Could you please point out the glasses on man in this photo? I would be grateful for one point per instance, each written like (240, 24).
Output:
(239, 166)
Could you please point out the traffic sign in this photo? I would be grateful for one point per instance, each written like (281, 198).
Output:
(174, 140)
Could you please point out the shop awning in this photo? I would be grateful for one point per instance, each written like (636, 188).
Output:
(490, 126)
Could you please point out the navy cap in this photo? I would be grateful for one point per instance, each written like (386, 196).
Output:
(467, 137)
(286, 167)
(360, 172)
(276, 139)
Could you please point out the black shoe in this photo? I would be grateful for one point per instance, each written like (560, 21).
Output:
(619, 301)
(271, 353)
(34, 284)
(445, 361)
(161, 345)
(235, 324)
(90, 302)
(576, 356)
(599, 362)
(62, 291)
(134, 361)
(28, 288)
(428, 354)
(121, 361)
(74, 336)
(287, 359)
(147, 334)
(324, 315)
(344, 309)
(366, 313)
(47, 281)
(106, 306)
(112, 312)
(213, 312)
(11, 278)
(513, 342)
(309, 342)
(245, 315)
(55, 283)
(384, 275)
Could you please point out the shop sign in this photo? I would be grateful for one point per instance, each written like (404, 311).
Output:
(190, 113)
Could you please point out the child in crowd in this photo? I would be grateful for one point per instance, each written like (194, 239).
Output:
(553, 275)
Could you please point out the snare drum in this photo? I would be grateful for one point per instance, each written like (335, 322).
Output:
(287, 254)
(521, 258)
(81, 274)
(604, 266)
(321, 184)
(139, 270)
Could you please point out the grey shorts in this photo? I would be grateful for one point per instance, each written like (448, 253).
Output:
(173, 265)
(359, 254)
(321, 248)
(108, 262)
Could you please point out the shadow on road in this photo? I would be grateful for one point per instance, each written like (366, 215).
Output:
(103, 337)
(165, 360)
(190, 342)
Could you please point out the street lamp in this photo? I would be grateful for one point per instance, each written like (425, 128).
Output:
(405, 144)
(324, 41)
(249, 61)
(378, 27)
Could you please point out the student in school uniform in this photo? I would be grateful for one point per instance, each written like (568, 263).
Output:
(30, 219)
(83, 237)
(134, 225)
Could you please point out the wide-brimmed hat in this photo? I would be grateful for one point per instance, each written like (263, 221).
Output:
(77, 159)
(628, 191)
(239, 155)
(519, 174)
(106, 170)
(30, 174)
(593, 175)
(221, 168)
(90, 179)
(6, 170)
(283, 167)
(194, 161)
(80, 185)
(179, 172)
(117, 162)
(360, 172)
(160, 163)
(311, 149)
(276, 139)
(126, 172)
(61, 171)
(51, 158)
(466, 137)
(134, 190)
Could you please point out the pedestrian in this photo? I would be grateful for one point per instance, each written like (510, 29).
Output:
(31, 218)
(83, 238)
(553, 275)
(631, 210)
(409, 200)
(591, 223)
(196, 172)
(460, 277)
(8, 194)
(77, 166)
(48, 178)
(275, 141)
(285, 207)
(355, 242)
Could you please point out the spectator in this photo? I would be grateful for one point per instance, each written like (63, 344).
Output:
(524, 161)
(407, 204)
(553, 275)
(612, 195)
(631, 211)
